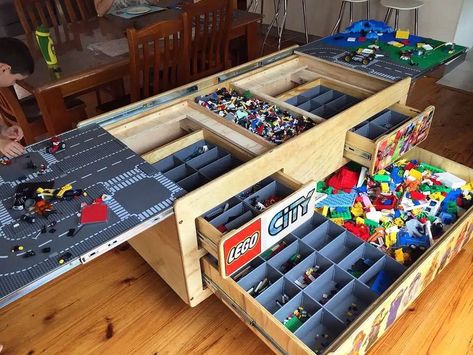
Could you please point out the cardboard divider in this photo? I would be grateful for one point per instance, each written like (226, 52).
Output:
(253, 279)
(273, 189)
(341, 247)
(290, 256)
(300, 300)
(188, 152)
(328, 284)
(167, 164)
(219, 167)
(320, 330)
(278, 294)
(316, 221)
(221, 208)
(371, 131)
(317, 262)
(382, 274)
(351, 301)
(192, 182)
(180, 172)
(365, 251)
(245, 270)
(208, 157)
(278, 247)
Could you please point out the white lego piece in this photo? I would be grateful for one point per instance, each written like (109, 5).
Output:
(374, 215)
(450, 180)
(432, 208)
(351, 39)
(361, 178)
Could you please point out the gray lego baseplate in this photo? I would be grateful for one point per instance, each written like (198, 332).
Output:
(96, 162)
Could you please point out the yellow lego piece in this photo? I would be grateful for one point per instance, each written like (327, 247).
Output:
(384, 187)
(402, 34)
(416, 211)
(360, 220)
(325, 211)
(338, 221)
(357, 209)
(420, 44)
(468, 186)
(398, 222)
(436, 196)
(399, 255)
(416, 174)
(396, 44)
(390, 239)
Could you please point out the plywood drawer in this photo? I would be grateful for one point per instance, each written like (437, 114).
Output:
(327, 245)
(386, 136)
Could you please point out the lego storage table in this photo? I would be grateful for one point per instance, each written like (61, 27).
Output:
(225, 151)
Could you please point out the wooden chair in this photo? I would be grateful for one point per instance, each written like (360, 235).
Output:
(158, 57)
(26, 114)
(209, 22)
(158, 61)
(52, 13)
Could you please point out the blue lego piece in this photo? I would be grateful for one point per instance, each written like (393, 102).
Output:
(367, 26)
(397, 178)
(404, 239)
(447, 218)
(397, 213)
(338, 200)
(362, 189)
(371, 35)
(451, 196)
(382, 281)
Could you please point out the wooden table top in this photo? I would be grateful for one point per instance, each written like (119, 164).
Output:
(77, 61)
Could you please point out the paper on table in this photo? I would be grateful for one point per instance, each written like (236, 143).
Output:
(112, 48)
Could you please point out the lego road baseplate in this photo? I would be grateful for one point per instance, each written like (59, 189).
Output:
(98, 163)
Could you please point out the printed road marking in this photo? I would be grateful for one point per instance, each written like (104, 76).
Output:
(42, 245)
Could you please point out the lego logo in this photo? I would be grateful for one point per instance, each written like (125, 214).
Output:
(243, 247)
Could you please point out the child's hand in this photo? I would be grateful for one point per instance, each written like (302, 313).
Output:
(11, 149)
(13, 132)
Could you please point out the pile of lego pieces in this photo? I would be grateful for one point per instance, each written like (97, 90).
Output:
(257, 116)
(402, 210)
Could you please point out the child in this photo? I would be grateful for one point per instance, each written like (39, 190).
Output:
(16, 63)
(106, 6)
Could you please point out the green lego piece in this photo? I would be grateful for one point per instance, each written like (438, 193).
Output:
(247, 94)
(329, 190)
(432, 168)
(341, 212)
(381, 178)
(424, 187)
(452, 207)
(431, 218)
(321, 186)
(293, 324)
(372, 225)
(439, 188)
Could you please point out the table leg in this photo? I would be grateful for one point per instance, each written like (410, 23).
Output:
(53, 110)
(252, 40)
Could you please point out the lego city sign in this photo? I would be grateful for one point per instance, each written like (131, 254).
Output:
(243, 245)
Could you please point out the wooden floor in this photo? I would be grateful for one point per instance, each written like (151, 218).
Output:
(118, 305)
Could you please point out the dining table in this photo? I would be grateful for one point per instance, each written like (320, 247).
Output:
(94, 52)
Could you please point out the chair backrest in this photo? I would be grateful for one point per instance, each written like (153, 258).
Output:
(158, 54)
(52, 13)
(13, 114)
(209, 22)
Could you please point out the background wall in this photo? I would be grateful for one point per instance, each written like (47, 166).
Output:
(437, 18)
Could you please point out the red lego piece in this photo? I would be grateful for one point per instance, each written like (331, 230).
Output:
(360, 230)
(418, 196)
(404, 41)
(345, 179)
(94, 213)
(361, 39)
(409, 166)
(385, 202)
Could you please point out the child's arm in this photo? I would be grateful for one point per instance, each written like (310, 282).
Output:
(9, 137)
(102, 6)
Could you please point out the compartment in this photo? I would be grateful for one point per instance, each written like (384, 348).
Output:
(245, 270)
(371, 131)
(308, 270)
(229, 215)
(328, 284)
(240, 220)
(322, 235)
(278, 247)
(192, 182)
(219, 167)
(365, 254)
(320, 331)
(194, 150)
(259, 279)
(297, 311)
(207, 158)
(167, 164)
(382, 274)
(310, 105)
(255, 188)
(341, 103)
(222, 208)
(290, 256)
(351, 301)
(340, 247)
(387, 136)
(180, 172)
(328, 96)
(324, 111)
(316, 221)
(278, 295)
(268, 195)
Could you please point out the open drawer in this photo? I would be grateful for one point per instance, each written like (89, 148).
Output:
(242, 227)
(388, 135)
(343, 309)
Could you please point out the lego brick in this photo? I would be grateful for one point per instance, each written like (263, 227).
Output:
(314, 260)
(270, 191)
(300, 300)
(290, 256)
(328, 284)
(364, 251)
(262, 272)
(337, 200)
(386, 264)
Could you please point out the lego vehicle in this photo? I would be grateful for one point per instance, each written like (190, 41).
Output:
(45, 193)
(364, 56)
(70, 194)
(44, 208)
(56, 145)
(28, 218)
(19, 203)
